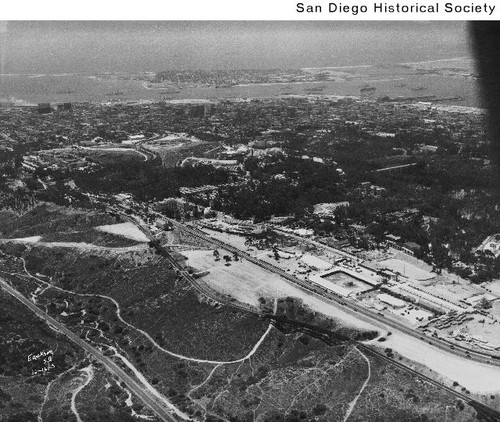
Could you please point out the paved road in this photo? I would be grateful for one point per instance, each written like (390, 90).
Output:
(488, 414)
(181, 270)
(348, 304)
(150, 155)
(154, 403)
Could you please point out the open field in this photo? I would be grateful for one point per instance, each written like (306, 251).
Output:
(115, 248)
(127, 230)
(241, 279)
(247, 283)
(89, 237)
(451, 288)
(281, 374)
(446, 364)
(494, 287)
(47, 219)
(209, 359)
(171, 154)
(406, 269)
(59, 228)
(113, 155)
(151, 298)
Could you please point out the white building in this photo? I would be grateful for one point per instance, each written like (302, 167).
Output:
(315, 262)
(328, 209)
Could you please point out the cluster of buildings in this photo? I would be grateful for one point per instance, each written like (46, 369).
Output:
(230, 165)
(258, 123)
(491, 245)
(57, 159)
(228, 78)
(262, 129)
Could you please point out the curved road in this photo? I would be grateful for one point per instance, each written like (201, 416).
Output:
(488, 414)
(160, 408)
(439, 343)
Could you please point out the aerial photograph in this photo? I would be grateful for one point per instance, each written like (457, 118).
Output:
(247, 221)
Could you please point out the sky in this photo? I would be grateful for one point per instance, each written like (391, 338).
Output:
(40, 47)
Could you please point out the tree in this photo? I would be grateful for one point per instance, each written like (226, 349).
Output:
(484, 304)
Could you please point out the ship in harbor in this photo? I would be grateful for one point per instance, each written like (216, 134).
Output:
(367, 90)
(66, 91)
(316, 89)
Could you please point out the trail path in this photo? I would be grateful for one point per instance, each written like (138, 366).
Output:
(47, 392)
(89, 372)
(352, 404)
(145, 334)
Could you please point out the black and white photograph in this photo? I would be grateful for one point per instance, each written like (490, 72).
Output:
(250, 221)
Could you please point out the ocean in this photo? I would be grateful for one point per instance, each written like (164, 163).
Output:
(65, 61)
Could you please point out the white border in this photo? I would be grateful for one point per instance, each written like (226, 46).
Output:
(234, 10)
